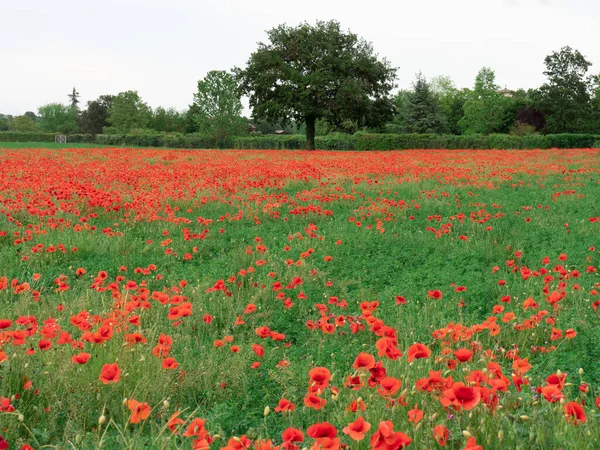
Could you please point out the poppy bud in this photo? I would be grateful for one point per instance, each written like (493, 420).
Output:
(78, 438)
(267, 410)
(500, 435)
(166, 403)
(466, 433)
(524, 417)
(101, 419)
(581, 371)
(20, 418)
(434, 417)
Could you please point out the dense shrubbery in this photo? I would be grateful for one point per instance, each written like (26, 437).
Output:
(336, 141)
(18, 136)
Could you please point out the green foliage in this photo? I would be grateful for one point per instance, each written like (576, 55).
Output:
(23, 124)
(565, 98)
(167, 120)
(23, 136)
(4, 121)
(451, 102)
(484, 106)
(522, 129)
(219, 108)
(127, 112)
(306, 73)
(271, 142)
(57, 118)
(423, 109)
(95, 118)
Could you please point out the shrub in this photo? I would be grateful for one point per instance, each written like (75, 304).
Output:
(18, 136)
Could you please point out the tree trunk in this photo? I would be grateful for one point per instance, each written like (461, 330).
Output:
(310, 132)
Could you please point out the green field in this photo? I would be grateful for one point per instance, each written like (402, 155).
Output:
(221, 282)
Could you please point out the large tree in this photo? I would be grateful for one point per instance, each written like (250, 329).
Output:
(424, 114)
(57, 118)
(306, 73)
(95, 118)
(218, 107)
(484, 107)
(565, 98)
(128, 112)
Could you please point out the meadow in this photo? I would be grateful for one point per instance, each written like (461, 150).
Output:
(290, 299)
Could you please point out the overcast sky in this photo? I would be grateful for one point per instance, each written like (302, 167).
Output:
(162, 47)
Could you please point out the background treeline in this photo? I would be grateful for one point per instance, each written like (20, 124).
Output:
(333, 141)
(434, 113)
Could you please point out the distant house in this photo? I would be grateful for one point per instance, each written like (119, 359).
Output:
(280, 132)
(251, 128)
(505, 92)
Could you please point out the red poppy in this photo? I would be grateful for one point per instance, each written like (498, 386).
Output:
(139, 411)
(111, 373)
(441, 435)
(364, 361)
(385, 438)
(81, 358)
(357, 429)
(461, 397)
(575, 413)
(418, 351)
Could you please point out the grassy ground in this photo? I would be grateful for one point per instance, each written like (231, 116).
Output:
(137, 257)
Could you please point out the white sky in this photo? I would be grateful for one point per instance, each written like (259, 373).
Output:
(162, 47)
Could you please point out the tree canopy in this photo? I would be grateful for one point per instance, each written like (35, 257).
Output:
(218, 107)
(95, 118)
(484, 106)
(128, 112)
(57, 118)
(312, 72)
(423, 109)
(566, 97)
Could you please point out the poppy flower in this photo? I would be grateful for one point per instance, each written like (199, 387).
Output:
(389, 386)
(364, 361)
(139, 411)
(472, 444)
(418, 351)
(169, 363)
(313, 401)
(357, 429)
(174, 422)
(415, 415)
(285, 406)
(291, 435)
(575, 413)
(321, 430)
(319, 377)
(441, 435)
(385, 438)
(435, 294)
(461, 397)
(81, 358)
(111, 373)
(463, 354)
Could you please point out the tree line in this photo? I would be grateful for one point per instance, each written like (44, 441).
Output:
(319, 79)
